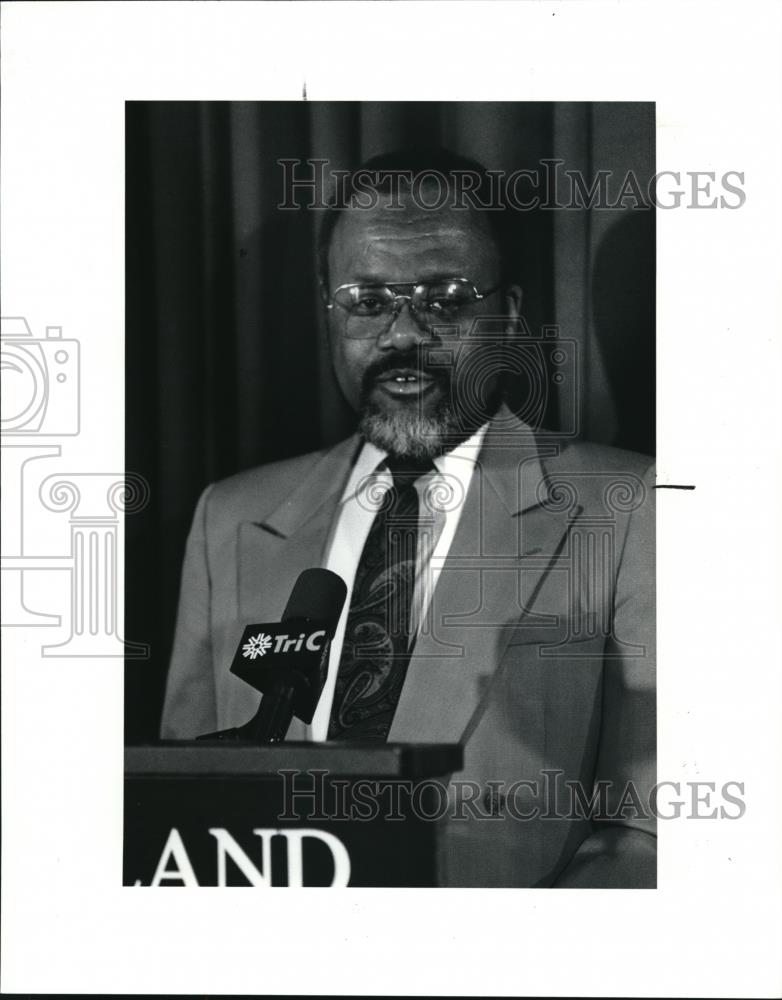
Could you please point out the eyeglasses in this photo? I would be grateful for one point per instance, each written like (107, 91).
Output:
(372, 307)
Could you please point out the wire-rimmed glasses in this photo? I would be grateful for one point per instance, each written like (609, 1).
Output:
(372, 306)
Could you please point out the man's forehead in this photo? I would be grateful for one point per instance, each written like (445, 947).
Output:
(373, 234)
(410, 222)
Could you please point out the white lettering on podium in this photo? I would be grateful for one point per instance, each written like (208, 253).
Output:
(174, 848)
(227, 847)
(338, 850)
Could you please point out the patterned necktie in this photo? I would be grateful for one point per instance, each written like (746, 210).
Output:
(376, 649)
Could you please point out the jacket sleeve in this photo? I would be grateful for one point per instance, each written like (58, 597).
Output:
(621, 852)
(189, 708)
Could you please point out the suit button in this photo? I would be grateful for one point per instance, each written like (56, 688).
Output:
(494, 802)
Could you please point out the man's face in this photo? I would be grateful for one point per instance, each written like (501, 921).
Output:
(409, 401)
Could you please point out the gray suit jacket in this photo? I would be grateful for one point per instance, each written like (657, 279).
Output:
(539, 657)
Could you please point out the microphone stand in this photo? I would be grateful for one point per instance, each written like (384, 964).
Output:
(268, 725)
(271, 721)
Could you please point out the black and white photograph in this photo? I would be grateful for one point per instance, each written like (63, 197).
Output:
(389, 484)
(414, 414)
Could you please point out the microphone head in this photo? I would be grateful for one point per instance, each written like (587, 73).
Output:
(290, 658)
(318, 594)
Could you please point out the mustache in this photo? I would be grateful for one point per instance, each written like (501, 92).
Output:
(414, 360)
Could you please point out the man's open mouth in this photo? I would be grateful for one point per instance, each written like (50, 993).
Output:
(404, 381)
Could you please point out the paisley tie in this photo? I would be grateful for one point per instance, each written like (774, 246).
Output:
(376, 649)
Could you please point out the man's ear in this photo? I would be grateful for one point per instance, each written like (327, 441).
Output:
(513, 296)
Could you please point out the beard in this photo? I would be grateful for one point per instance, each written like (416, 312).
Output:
(407, 431)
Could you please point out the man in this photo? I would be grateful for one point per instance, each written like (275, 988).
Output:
(500, 580)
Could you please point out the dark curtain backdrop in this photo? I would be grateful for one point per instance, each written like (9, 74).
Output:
(226, 358)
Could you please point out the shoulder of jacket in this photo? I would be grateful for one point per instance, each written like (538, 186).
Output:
(253, 492)
(604, 480)
(588, 457)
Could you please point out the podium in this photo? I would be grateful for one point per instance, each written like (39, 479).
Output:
(285, 814)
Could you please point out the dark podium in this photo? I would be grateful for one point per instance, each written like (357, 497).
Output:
(285, 814)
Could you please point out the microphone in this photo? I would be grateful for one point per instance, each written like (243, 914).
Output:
(287, 661)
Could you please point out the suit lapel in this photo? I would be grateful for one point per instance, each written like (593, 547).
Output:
(272, 552)
(502, 550)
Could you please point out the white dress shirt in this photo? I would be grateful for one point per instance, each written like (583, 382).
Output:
(441, 497)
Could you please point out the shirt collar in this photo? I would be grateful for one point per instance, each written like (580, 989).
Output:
(459, 463)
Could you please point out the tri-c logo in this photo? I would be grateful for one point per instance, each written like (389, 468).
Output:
(263, 643)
